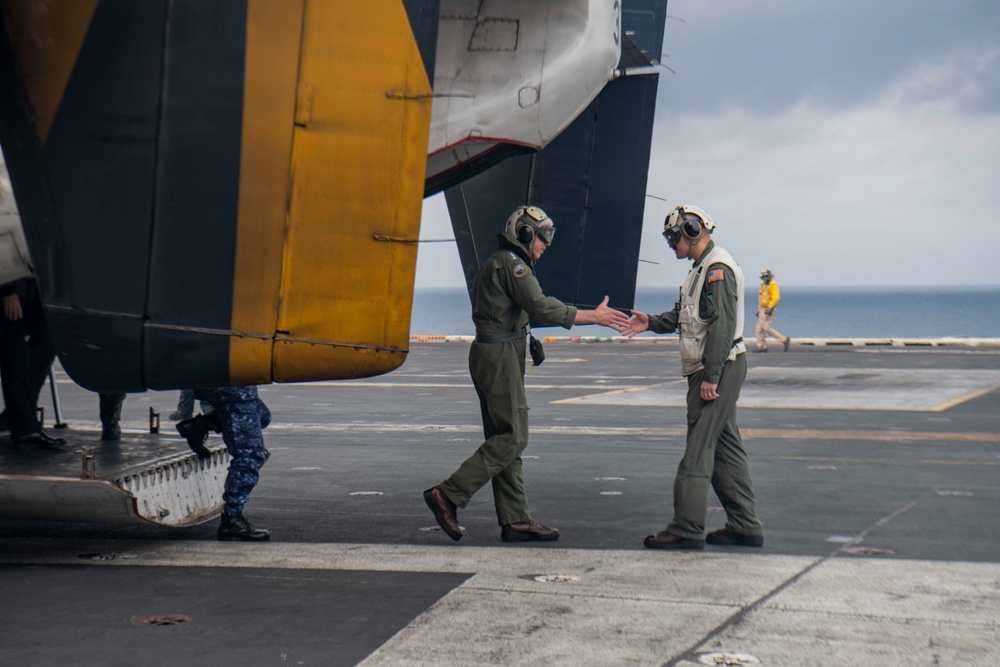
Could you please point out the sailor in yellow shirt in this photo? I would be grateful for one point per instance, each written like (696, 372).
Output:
(769, 297)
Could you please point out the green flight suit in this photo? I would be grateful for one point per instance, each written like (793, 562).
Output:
(505, 293)
(714, 451)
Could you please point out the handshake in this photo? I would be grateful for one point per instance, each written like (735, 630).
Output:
(614, 319)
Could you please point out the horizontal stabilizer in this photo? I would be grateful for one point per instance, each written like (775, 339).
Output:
(218, 192)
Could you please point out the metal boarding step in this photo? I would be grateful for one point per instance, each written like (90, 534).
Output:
(145, 479)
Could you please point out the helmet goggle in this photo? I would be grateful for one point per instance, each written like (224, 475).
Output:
(672, 235)
(546, 233)
(534, 216)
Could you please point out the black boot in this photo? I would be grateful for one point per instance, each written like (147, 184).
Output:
(213, 421)
(235, 527)
(195, 431)
(38, 438)
(112, 432)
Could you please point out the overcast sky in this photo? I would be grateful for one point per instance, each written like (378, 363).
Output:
(836, 143)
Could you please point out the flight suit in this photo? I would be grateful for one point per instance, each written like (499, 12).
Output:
(505, 293)
(714, 452)
(110, 408)
(242, 416)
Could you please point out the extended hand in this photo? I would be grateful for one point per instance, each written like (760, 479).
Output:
(636, 325)
(609, 317)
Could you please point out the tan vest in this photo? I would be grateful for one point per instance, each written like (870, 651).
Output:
(691, 327)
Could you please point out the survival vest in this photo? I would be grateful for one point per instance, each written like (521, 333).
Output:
(691, 327)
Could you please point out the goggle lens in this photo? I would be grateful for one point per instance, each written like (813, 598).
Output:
(547, 233)
(672, 235)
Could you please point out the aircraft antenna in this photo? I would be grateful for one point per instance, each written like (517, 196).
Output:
(399, 239)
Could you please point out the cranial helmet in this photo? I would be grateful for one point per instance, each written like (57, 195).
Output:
(766, 274)
(690, 221)
(527, 221)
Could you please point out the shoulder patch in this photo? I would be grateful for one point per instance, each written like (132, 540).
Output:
(716, 275)
(520, 270)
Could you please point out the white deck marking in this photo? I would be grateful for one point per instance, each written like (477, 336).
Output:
(476, 430)
(925, 390)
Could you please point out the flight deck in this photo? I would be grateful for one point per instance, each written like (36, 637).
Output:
(875, 468)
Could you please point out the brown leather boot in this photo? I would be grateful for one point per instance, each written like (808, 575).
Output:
(528, 531)
(444, 511)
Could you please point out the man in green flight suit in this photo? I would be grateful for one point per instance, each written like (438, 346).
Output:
(505, 293)
(709, 319)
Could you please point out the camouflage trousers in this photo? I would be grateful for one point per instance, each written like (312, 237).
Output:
(243, 417)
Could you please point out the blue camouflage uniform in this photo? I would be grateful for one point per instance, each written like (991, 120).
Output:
(242, 416)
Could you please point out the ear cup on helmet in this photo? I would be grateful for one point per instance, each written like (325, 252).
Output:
(525, 234)
(691, 229)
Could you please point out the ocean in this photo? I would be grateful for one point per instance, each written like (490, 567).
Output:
(806, 312)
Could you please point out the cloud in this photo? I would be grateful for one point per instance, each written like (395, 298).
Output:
(768, 55)
(849, 143)
(964, 81)
(839, 143)
(888, 192)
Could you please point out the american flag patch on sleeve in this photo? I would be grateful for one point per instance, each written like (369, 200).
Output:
(716, 275)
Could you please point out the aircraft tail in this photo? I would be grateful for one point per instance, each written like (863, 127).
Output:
(591, 180)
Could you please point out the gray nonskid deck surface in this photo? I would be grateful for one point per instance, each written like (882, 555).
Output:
(875, 471)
